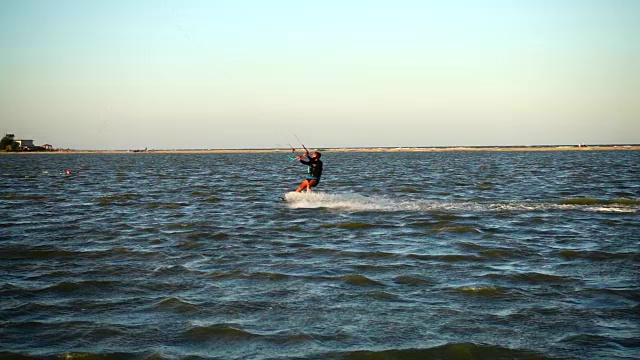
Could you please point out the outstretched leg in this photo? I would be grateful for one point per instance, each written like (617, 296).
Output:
(312, 183)
(305, 184)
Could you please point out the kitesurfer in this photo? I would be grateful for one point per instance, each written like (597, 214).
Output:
(314, 171)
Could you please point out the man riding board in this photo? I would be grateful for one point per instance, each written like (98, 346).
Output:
(314, 171)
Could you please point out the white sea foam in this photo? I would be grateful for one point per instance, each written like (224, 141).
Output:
(358, 202)
(345, 201)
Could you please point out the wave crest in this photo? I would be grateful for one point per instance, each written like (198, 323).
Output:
(222, 332)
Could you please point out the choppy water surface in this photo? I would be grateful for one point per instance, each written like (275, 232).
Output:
(518, 255)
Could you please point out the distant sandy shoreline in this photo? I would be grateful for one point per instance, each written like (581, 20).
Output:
(340, 150)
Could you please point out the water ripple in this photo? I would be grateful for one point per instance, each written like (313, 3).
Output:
(415, 255)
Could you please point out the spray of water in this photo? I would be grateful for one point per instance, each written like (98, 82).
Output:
(358, 202)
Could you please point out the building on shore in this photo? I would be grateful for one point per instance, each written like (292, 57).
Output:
(28, 144)
(23, 143)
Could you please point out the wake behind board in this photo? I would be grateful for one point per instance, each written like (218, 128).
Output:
(313, 197)
(341, 201)
(293, 196)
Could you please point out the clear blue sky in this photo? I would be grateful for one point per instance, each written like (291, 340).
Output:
(248, 74)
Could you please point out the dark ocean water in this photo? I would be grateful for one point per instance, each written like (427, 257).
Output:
(483, 255)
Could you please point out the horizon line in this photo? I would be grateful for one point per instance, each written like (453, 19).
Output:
(321, 148)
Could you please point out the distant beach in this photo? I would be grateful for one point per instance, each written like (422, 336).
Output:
(634, 147)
